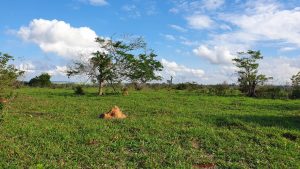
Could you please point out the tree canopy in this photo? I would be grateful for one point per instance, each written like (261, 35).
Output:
(8, 74)
(42, 80)
(247, 65)
(116, 61)
(296, 80)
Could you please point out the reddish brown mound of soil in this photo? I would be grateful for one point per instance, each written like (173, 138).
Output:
(114, 113)
(2, 100)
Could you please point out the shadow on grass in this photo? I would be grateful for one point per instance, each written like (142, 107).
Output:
(236, 121)
(70, 94)
(278, 106)
(287, 122)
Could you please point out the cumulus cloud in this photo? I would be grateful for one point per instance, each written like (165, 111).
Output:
(181, 73)
(280, 68)
(58, 70)
(216, 55)
(267, 21)
(60, 38)
(27, 67)
(199, 21)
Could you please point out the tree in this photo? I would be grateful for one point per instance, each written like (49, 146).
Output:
(248, 72)
(296, 86)
(143, 68)
(296, 80)
(8, 74)
(42, 80)
(112, 63)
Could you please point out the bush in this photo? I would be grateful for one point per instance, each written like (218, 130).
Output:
(187, 86)
(41, 81)
(78, 90)
(296, 93)
(273, 92)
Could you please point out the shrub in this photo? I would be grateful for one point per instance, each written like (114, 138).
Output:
(296, 93)
(78, 90)
(41, 81)
(187, 86)
(221, 89)
(8, 74)
(273, 92)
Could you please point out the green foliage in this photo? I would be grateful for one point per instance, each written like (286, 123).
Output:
(296, 80)
(8, 74)
(274, 92)
(164, 129)
(42, 80)
(248, 72)
(78, 90)
(296, 92)
(143, 68)
(115, 61)
(187, 86)
(296, 86)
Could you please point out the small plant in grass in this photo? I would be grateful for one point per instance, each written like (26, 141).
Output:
(125, 91)
(79, 90)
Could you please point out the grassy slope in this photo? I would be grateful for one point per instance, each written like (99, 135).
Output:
(54, 128)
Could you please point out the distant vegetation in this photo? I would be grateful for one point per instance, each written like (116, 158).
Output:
(42, 80)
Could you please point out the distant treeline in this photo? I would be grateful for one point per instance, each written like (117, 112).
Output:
(224, 89)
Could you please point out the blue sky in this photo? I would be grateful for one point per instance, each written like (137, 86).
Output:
(194, 39)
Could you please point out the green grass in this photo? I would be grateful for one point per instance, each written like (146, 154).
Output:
(53, 128)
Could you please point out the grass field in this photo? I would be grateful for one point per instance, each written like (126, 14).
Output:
(53, 128)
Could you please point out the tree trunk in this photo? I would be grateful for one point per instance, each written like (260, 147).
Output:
(100, 91)
(251, 92)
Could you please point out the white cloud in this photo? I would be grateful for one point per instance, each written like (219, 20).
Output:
(129, 7)
(178, 28)
(216, 55)
(195, 6)
(60, 38)
(132, 11)
(27, 66)
(169, 37)
(187, 42)
(199, 21)
(59, 70)
(268, 22)
(286, 49)
(212, 4)
(98, 2)
(280, 68)
(181, 73)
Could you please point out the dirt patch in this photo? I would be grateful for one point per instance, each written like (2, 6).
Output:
(92, 142)
(205, 166)
(2, 100)
(195, 144)
(114, 113)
